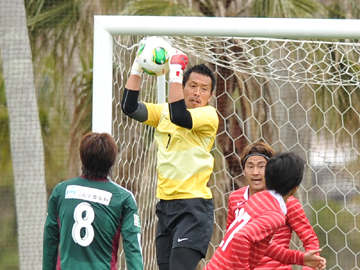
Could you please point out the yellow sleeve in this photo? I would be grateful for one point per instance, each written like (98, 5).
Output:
(205, 119)
(154, 113)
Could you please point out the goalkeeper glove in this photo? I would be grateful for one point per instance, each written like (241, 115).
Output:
(136, 68)
(177, 65)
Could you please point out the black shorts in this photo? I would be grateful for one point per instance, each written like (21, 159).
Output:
(185, 223)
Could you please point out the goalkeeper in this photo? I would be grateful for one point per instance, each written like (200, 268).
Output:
(186, 127)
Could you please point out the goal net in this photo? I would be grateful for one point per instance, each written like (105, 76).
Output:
(298, 95)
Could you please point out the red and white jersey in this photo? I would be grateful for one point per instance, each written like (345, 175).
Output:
(248, 237)
(236, 202)
(295, 221)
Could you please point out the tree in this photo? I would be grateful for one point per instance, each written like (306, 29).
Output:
(61, 36)
(27, 149)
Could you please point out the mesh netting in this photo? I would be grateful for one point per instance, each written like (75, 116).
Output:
(294, 95)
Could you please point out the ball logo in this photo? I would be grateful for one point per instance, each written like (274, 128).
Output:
(153, 56)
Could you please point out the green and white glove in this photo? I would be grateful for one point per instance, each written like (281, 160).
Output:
(136, 69)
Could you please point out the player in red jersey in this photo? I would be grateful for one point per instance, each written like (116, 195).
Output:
(253, 160)
(249, 236)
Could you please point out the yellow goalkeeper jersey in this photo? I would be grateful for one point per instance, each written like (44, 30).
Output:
(184, 162)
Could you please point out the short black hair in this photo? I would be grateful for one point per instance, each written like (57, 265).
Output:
(283, 172)
(203, 70)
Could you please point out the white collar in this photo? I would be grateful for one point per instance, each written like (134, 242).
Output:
(280, 199)
(246, 193)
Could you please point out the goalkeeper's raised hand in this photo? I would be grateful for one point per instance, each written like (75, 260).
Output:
(177, 65)
(136, 69)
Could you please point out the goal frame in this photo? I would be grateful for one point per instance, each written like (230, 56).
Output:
(106, 26)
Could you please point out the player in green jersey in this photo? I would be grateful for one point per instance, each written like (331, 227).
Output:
(89, 214)
(186, 127)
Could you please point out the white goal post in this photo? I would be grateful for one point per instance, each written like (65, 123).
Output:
(291, 83)
(105, 27)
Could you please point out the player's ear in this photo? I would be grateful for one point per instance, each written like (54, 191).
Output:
(211, 95)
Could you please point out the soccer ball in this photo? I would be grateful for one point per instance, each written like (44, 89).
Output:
(154, 55)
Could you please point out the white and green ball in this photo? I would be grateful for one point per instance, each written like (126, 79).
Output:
(154, 55)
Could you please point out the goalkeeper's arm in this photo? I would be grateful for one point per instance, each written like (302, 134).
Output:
(129, 103)
(179, 115)
(131, 107)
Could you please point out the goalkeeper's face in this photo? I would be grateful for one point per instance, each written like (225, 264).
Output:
(197, 90)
